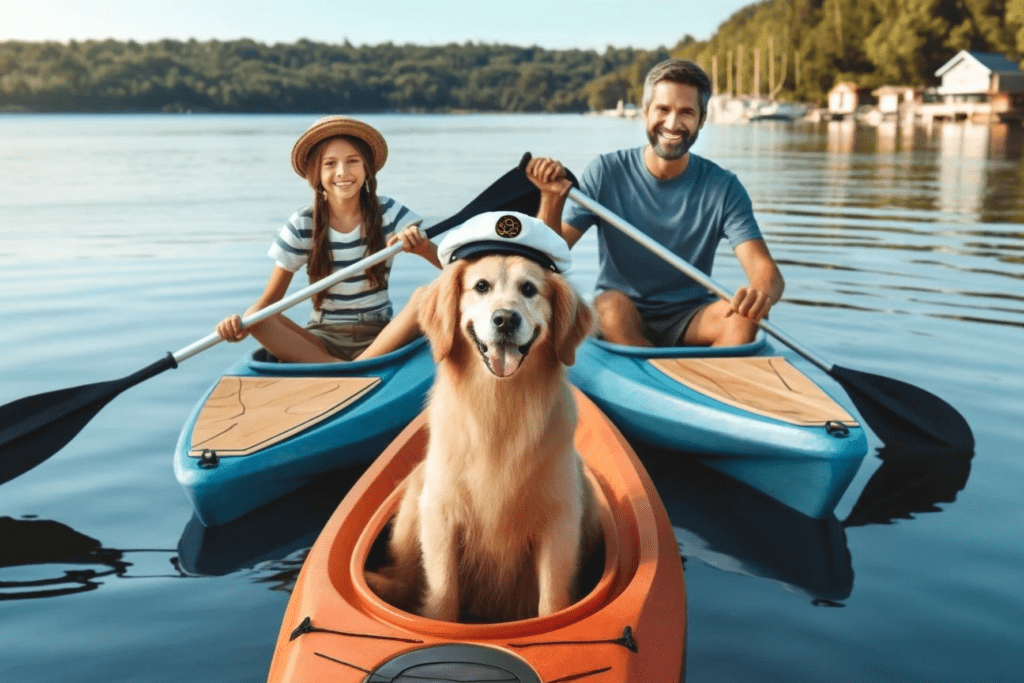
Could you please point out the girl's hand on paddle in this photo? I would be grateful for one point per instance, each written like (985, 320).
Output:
(549, 176)
(412, 240)
(230, 329)
(750, 303)
(416, 242)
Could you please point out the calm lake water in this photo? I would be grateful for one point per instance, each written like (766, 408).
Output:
(124, 237)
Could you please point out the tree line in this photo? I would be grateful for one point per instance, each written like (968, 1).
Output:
(804, 47)
(306, 76)
(799, 48)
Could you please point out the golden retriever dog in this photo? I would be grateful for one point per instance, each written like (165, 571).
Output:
(496, 520)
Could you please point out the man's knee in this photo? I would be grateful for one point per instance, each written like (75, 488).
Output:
(618, 319)
(737, 329)
(713, 326)
(615, 304)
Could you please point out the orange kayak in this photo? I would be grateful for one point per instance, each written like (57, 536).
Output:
(630, 626)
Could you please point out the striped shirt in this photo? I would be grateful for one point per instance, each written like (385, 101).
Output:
(349, 298)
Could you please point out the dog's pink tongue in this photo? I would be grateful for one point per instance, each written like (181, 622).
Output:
(504, 360)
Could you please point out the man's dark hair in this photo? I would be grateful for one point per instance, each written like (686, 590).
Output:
(678, 71)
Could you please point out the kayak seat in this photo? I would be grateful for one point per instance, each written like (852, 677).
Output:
(264, 356)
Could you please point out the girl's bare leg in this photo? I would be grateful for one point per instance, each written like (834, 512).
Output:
(290, 342)
(402, 329)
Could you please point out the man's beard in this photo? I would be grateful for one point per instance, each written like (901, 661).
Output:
(676, 151)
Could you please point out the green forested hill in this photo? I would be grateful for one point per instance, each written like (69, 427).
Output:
(247, 76)
(818, 43)
(812, 45)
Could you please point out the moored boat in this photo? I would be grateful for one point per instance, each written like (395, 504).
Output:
(739, 410)
(267, 428)
(630, 626)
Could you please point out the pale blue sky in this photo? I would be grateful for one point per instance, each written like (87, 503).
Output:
(554, 24)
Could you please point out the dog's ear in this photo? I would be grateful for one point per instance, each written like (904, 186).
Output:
(438, 313)
(572, 319)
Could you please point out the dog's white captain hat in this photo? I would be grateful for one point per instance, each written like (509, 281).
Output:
(506, 232)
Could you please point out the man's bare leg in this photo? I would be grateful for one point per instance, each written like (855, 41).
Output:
(618, 319)
(716, 325)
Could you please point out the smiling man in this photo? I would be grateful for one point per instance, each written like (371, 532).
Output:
(685, 202)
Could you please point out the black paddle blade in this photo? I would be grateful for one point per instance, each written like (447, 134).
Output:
(911, 481)
(903, 415)
(36, 427)
(511, 192)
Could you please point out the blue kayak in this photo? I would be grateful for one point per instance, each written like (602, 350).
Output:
(739, 410)
(267, 428)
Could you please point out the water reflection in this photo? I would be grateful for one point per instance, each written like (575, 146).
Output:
(908, 220)
(721, 522)
(737, 529)
(957, 172)
(35, 556)
(909, 482)
(964, 140)
(717, 520)
(271, 540)
(45, 558)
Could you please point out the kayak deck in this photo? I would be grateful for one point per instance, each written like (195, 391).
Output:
(765, 385)
(245, 414)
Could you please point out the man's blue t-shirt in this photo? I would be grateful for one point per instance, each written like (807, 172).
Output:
(689, 214)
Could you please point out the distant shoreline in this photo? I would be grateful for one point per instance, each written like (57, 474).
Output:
(248, 77)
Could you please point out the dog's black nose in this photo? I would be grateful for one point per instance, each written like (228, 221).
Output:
(505, 321)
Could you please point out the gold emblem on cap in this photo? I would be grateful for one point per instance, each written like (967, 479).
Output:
(508, 226)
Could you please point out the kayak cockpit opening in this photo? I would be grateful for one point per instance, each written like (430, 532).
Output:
(591, 571)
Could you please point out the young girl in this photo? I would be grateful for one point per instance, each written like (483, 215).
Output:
(339, 157)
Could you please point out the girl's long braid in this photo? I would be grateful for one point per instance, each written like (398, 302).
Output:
(373, 226)
(319, 265)
(371, 229)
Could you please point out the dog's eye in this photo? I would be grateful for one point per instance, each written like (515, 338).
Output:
(528, 289)
(482, 286)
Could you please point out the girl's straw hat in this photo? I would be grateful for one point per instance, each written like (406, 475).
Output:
(330, 126)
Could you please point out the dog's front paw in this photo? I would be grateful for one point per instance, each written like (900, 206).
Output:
(386, 586)
(441, 606)
(392, 590)
(549, 604)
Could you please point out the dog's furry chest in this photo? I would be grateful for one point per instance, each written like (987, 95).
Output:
(499, 511)
(487, 496)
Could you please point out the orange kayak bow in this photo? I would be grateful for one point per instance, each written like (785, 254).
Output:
(630, 626)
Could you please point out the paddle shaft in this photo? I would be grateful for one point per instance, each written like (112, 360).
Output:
(287, 302)
(694, 273)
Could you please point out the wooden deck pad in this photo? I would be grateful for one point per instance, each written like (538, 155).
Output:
(246, 414)
(767, 386)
